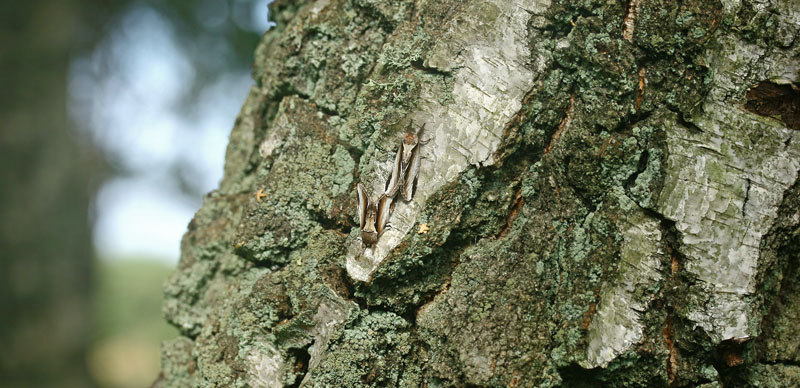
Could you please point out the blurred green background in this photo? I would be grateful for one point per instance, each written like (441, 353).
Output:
(114, 117)
(126, 316)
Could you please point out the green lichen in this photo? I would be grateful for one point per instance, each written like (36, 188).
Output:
(370, 352)
(399, 55)
(178, 366)
(281, 216)
(674, 28)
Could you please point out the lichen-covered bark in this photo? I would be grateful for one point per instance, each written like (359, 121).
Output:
(608, 196)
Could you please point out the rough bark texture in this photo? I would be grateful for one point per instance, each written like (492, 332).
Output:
(610, 190)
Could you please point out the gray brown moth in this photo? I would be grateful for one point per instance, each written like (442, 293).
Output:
(406, 167)
(395, 180)
(372, 215)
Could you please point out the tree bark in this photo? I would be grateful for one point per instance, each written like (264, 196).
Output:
(607, 196)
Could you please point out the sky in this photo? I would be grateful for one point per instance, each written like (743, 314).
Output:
(127, 95)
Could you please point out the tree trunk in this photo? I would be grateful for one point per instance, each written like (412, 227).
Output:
(607, 196)
(46, 176)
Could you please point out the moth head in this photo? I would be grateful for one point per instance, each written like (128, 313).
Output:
(411, 142)
(408, 149)
(410, 138)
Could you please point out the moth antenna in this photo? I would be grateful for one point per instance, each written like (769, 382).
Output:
(419, 135)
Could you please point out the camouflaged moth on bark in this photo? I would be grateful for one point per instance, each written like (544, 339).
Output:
(372, 215)
(406, 167)
(395, 180)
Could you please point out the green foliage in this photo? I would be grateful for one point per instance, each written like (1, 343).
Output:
(128, 298)
(128, 327)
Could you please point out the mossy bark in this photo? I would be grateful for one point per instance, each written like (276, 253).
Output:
(603, 200)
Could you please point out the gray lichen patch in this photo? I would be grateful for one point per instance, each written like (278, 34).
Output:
(473, 328)
(284, 212)
(270, 331)
(329, 68)
(779, 270)
(371, 351)
(766, 375)
(223, 353)
(205, 252)
(492, 71)
(243, 142)
(178, 366)
(669, 27)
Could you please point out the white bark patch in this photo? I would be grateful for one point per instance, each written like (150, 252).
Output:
(318, 6)
(725, 180)
(331, 315)
(265, 367)
(616, 326)
(629, 21)
(489, 55)
(723, 189)
(280, 131)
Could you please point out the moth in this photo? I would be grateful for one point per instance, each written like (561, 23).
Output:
(395, 181)
(406, 167)
(372, 215)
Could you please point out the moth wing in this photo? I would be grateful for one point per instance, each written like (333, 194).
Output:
(384, 210)
(410, 179)
(408, 150)
(396, 177)
(362, 204)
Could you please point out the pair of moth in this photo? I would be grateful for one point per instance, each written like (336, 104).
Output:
(374, 214)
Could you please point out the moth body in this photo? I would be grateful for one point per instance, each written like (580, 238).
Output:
(369, 232)
(372, 215)
(406, 167)
(409, 145)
